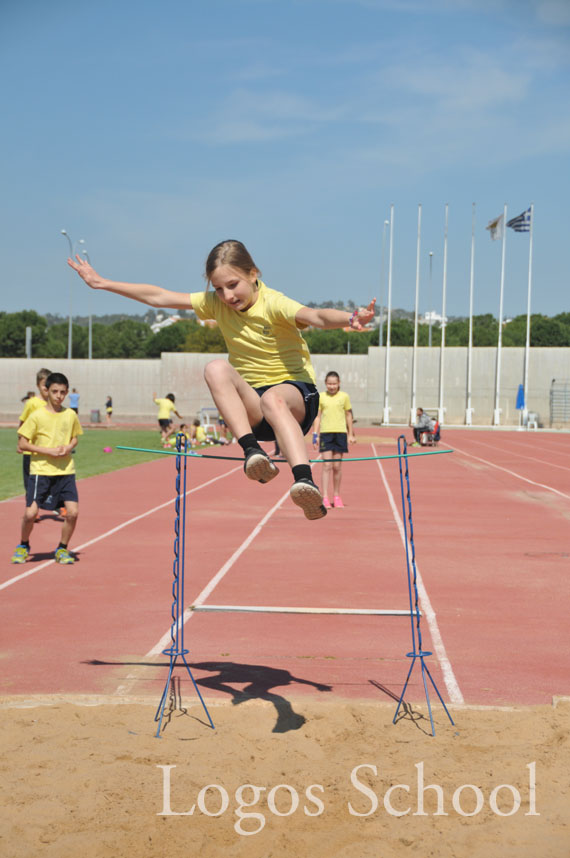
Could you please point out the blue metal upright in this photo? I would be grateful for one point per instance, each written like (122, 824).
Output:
(177, 650)
(415, 617)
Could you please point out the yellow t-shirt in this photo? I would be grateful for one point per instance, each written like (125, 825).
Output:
(200, 435)
(264, 342)
(49, 429)
(333, 411)
(165, 408)
(32, 404)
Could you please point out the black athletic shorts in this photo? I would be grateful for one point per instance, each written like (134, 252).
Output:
(264, 432)
(164, 423)
(335, 441)
(51, 492)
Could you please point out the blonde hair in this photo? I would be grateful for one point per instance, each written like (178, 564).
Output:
(230, 252)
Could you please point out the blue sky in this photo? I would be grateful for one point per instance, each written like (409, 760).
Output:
(155, 130)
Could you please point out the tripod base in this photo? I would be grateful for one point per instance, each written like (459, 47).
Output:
(425, 672)
(173, 659)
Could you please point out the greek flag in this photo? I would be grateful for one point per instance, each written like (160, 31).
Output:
(520, 223)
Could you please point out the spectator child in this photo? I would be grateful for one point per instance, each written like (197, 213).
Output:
(50, 434)
(333, 427)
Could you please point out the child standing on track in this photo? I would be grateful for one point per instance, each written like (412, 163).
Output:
(166, 407)
(32, 404)
(334, 425)
(267, 389)
(50, 434)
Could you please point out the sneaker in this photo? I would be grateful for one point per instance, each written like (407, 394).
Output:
(258, 466)
(337, 502)
(326, 503)
(21, 554)
(306, 495)
(63, 556)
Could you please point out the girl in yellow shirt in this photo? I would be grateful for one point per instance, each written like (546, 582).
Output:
(266, 391)
(333, 428)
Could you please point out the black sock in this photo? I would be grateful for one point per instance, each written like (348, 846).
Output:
(302, 472)
(26, 544)
(248, 442)
(62, 545)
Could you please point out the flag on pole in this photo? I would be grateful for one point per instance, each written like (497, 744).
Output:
(496, 227)
(520, 223)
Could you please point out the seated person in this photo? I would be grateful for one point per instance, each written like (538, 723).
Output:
(424, 424)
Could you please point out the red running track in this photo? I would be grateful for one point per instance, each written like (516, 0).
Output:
(491, 534)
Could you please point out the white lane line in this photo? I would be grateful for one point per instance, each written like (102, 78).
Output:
(213, 583)
(512, 473)
(520, 455)
(114, 530)
(166, 639)
(428, 612)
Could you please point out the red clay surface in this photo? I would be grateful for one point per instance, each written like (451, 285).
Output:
(491, 525)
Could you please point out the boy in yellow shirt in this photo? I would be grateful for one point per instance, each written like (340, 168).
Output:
(334, 424)
(50, 434)
(32, 404)
(166, 408)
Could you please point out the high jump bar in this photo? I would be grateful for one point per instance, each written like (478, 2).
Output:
(267, 609)
(191, 454)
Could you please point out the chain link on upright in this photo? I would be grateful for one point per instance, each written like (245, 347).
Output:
(177, 649)
(417, 646)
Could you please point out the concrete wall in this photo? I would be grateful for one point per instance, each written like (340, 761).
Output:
(132, 382)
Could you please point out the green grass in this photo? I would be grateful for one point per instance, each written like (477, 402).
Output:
(89, 456)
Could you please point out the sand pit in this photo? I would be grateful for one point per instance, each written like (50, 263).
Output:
(85, 776)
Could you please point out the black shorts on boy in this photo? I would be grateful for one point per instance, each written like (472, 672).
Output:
(51, 492)
(164, 423)
(335, 441)
(264, 431)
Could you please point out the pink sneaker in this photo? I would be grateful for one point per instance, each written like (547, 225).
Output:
(337, 502)
(327, 503)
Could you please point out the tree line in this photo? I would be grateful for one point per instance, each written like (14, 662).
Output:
(133, 338)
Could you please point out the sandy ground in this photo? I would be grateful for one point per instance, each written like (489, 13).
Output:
(87, 777)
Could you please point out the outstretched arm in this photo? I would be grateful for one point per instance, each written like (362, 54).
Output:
(154, 296)
(328, 319)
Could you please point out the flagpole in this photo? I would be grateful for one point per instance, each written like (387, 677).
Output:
(527, 344)
(415, 353)
(469, 409)
(441, 409)
(386, 412)
(497, 411)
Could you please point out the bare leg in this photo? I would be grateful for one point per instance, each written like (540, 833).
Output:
(28, 521)
(72, 508)
(327, 468)
(238, 402)
(337, 462)
(283, 407)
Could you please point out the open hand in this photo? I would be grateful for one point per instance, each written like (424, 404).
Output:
(86, 272)
(363, 317)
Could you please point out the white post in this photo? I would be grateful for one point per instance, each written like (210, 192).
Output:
(430, 300)
(441, 409)
(527, 344)
(469, 409)
(382, 272)
(415, 352)
(386, 411)
(90, 328)
(497, 410)
(28, 342)
(70, 325)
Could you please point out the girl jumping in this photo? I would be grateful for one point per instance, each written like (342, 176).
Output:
(266, 391)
